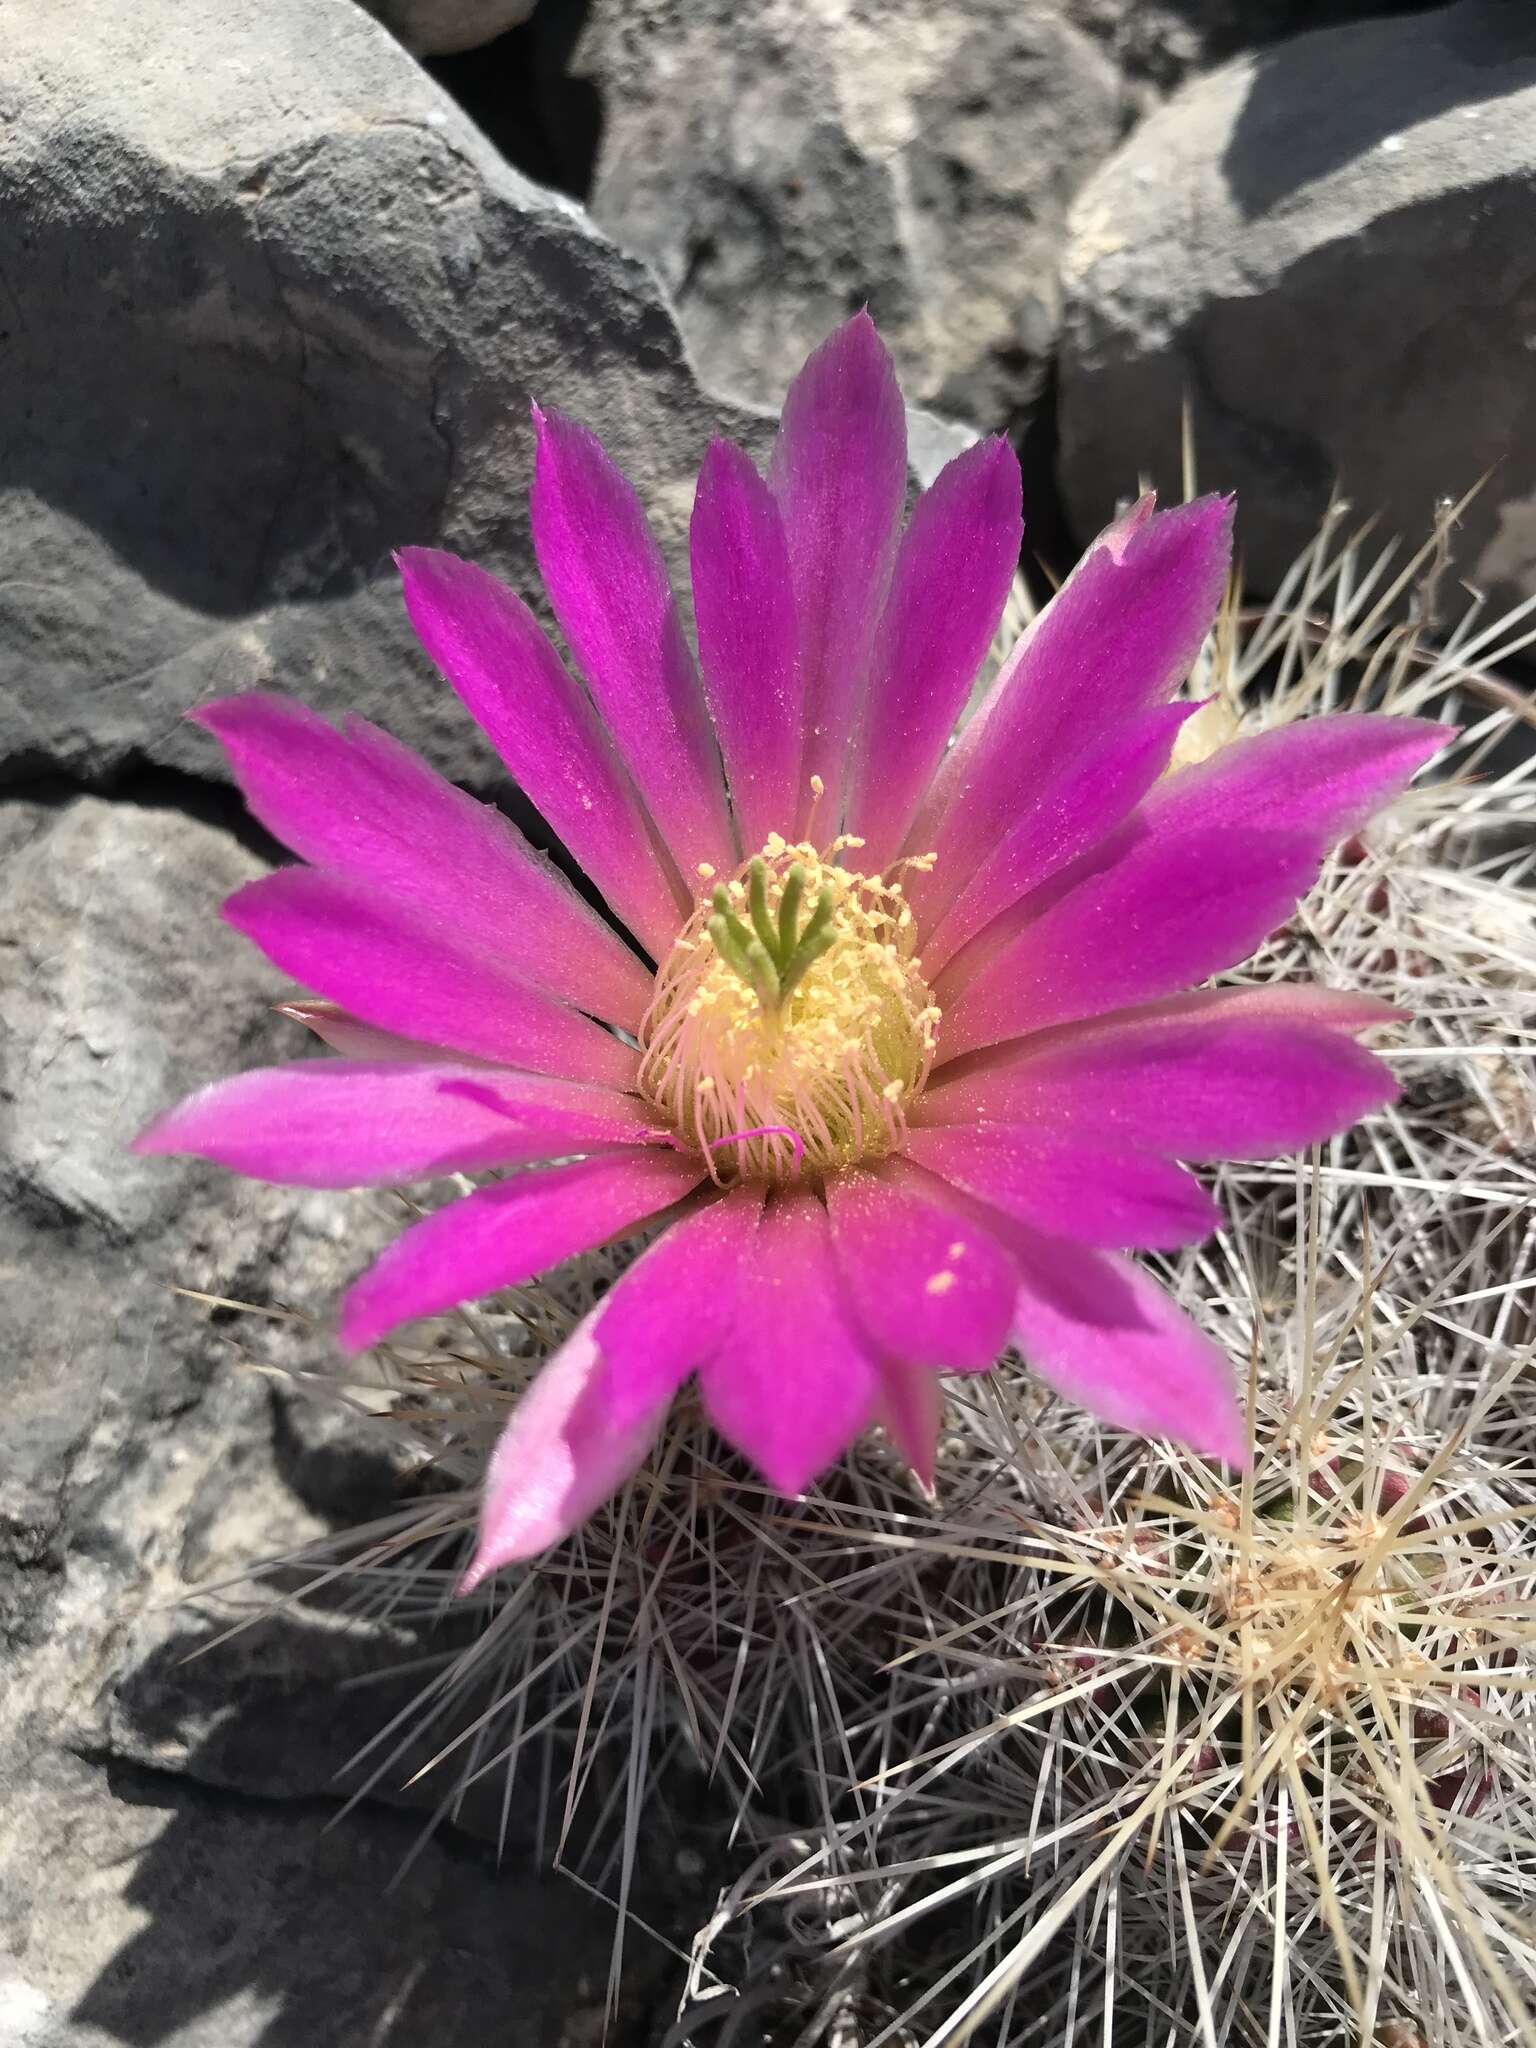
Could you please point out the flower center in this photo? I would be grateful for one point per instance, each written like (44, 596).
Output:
(790, 1024)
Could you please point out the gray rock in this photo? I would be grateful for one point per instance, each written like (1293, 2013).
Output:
(162, 1913)
(117, 987)
(781, 164)
(269, 308)
(120, 988)
(166, 1874)
(438, 28)
(266, 314)
(1328, 247)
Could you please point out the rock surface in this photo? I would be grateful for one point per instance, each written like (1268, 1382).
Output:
(262, 320)
(779, 164)
(165, 1872)
(1328, 246)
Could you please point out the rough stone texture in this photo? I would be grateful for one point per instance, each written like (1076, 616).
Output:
(779, 164)
(269, 308)
(782, 164)
(439, 28)
(264, 319)
(1328, 246)
(165, 1873)
(103, 1019)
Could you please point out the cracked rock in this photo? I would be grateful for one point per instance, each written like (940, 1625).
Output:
(264, 318)
(1327, 246)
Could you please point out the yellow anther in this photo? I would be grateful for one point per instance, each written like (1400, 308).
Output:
(829, 1030)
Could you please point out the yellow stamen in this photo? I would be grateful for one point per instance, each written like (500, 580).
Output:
(807, 1015)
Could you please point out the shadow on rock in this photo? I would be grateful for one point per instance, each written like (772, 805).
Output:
(523, 91)
(263, 1926)
(272, 1918)
(1486, 51)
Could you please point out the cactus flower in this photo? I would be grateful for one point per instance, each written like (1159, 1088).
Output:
(891, 1031)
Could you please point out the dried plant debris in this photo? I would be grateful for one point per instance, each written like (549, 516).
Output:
(1104, 1746)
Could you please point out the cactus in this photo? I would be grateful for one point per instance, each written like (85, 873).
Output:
(1104, 1745)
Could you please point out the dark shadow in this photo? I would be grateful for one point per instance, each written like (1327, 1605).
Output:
(1048, 546)
(521, 92)
(39, 786)
(343, 1930)
(258, 1906)
(1303, 118)
(1226, 27)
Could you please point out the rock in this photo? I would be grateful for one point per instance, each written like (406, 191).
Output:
(438, 28)
(781, 164)
(1328, 247)
(521, 93)
(281, 314)
(119, 989)
(166, 1913)
(262, 320)
(103, 1016)
(165, 1867)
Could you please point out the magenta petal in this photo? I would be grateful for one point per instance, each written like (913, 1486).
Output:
(1118, 636)
(744, 603)
(910, 1406)
(1074, 810)
(365, 806)
(1217, 1082)
(1281, 1002)
(674, 1307)
(1100, 1331)
(795, 1381)
(1092, 1192)
(608, 584)
(925, 1279)
(349, 1123)
(1190, 884)
(593, 1412)
(559, 1458)
(839, 472)
(953, 570)
(503, 1235)
(1163, 911)
(1322, 776)
(490, 647)
(420, 977)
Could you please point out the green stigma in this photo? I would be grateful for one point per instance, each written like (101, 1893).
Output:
(774, 952)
